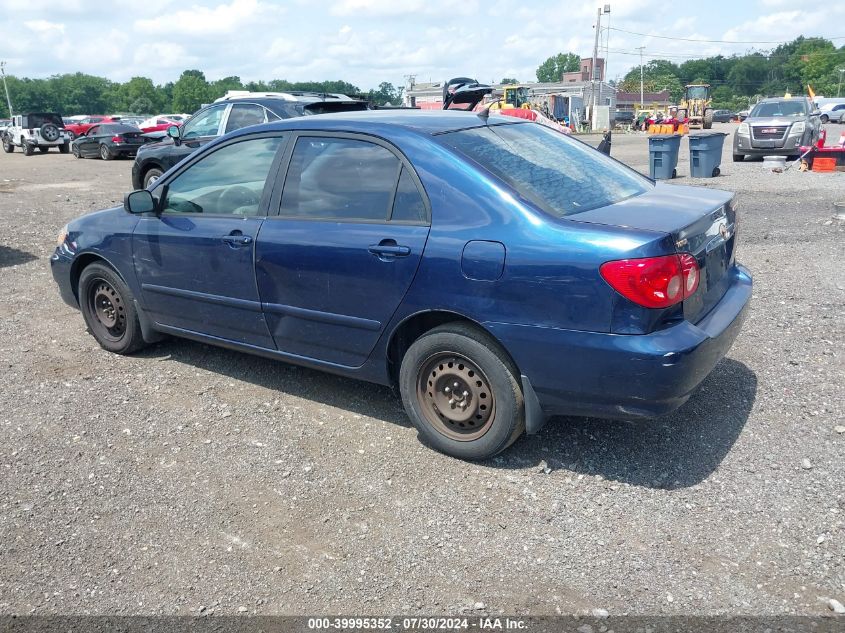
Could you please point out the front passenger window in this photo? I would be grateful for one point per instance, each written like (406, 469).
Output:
(205, 123)
(229, 181)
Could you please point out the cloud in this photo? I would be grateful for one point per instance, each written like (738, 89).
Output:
(394, 8)
(209, 21)
(43, 27)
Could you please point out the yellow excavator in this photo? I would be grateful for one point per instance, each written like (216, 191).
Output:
(697, 106)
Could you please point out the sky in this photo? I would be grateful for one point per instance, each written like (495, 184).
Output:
(366, 42)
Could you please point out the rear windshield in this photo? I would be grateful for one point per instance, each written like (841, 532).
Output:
(559, 174)
(37, 120)
(780, 108)
(118, 128)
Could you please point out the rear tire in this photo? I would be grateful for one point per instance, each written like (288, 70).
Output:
(105, 153)
(108, 308)
(480, 417)
(824, 118)
(28, 150)
(151, 176)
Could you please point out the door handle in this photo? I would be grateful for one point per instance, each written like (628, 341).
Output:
(388, 249)
(237, 239)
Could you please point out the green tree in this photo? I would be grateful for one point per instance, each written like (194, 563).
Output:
(190, 91)
(658, 75)
(553, 68)
(509, 80)
(386, 93)
(220, 87)
(139, 96)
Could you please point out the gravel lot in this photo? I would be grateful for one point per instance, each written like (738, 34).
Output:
(192, 479)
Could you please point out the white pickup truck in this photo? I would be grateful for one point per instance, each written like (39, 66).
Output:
(37, 130)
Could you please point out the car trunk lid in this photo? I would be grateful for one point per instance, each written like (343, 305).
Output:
(701, 221)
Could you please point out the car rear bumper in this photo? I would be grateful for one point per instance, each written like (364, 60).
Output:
(626, 376)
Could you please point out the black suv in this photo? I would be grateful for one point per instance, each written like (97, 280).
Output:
(234, 111)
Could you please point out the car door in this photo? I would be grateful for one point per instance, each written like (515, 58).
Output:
(333, 267)
(88, 144)
(194, 258)
(202, 128)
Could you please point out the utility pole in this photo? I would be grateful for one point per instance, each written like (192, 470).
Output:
(595, 71)
(5, 87)
(642, 93)
(839, 88)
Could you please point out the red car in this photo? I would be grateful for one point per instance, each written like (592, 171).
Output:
(81, 127)
(157, 124)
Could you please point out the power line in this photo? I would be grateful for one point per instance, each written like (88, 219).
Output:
(687, 39)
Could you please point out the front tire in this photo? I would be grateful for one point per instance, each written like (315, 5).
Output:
(108, 308)
(707, 122)
(151, 176)
(105, 153)
(8, 146)
(75, 150)
(64, 148)
(461, 391)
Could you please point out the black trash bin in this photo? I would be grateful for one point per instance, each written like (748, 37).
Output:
(663, 155)
(705, 154)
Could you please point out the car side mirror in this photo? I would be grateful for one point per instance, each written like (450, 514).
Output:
(140, 201)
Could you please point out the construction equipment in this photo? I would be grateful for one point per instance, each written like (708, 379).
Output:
(513, 96)
(697, 106)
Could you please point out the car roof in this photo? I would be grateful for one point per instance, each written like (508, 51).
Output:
(429, 122)
(779, 99)
(235, 96)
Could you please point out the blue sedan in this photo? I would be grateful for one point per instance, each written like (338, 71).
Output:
(495, 271)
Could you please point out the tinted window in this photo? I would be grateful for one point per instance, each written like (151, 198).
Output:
(557, 173)
(343, 179)
(205, 123)
(92, 131)
(243, 115)
(37, 120)
(408, 205)
(227, 181)
(117, 129)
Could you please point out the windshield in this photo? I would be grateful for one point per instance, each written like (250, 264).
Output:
(779, 108)
(559, 174)
(696, 92)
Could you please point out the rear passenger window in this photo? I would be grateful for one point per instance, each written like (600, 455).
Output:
(408, 206)
(339, 179)
(243, 115)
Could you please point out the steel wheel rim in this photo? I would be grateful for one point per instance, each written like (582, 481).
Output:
(152, 179)
(106, 305)
(455, 396)
(104, 152)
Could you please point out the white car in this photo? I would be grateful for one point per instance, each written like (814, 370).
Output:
(36, 130)
(832, 112)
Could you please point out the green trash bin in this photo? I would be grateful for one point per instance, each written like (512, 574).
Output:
(663, 155)
(705, 154)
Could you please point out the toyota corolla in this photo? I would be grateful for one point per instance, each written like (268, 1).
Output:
(495, 271)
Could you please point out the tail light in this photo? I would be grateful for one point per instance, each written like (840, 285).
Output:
(116, 139)
(653, 282)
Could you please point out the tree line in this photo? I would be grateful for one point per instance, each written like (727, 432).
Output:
(736, 80)
(79, 93)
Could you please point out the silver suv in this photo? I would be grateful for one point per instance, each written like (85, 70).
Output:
(777, 126)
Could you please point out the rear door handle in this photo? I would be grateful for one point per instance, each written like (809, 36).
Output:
(388, 249)
(236, 240)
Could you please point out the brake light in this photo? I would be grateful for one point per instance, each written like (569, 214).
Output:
(653, 282)
(116, 139)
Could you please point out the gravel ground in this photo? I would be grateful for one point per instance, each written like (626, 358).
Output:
(192, 479)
